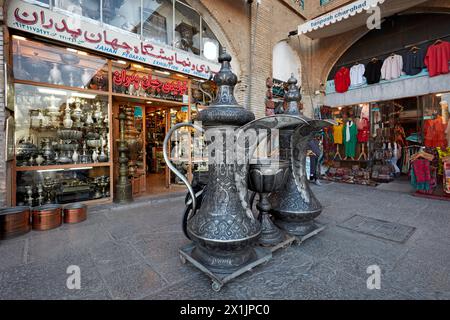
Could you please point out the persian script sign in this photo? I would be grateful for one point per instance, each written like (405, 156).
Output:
(75, 31)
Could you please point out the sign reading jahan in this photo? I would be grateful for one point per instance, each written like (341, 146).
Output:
(122, 80)
(73, 30)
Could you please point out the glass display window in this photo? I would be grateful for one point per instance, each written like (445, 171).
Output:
(123, 14)
(67, 185)
(40, 62)
(60, 127)
(210, 45)
(85, 8)
(187, 28)
(158, 21)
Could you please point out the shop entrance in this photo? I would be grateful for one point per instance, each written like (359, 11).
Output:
(146, 125)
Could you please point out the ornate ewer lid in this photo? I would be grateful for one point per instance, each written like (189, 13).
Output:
(292, 97)
(225, 110)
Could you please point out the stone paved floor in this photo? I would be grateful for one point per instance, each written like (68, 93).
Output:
(131, 253)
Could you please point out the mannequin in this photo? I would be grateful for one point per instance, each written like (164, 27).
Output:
(350, 139)
(445, 118)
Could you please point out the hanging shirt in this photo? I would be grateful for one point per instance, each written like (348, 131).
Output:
(357, 74)
(337, 132)
(413, 62)
(373, 71)
(437, 58)
(342, 80)
(392, 67)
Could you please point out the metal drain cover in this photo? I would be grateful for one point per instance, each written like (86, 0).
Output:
(379, 228)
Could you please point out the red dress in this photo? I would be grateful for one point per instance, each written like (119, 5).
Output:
(363, 130)
(342, 80)
(437, 58)
(434, 133)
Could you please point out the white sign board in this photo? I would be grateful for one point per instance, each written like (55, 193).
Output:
(337, 15)
(75, 31)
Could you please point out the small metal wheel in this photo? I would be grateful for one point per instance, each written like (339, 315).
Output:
(216, 286)
(182, 259)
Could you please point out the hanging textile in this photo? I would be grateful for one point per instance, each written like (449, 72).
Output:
(363, 130)
(357, 75)
(392, 67)
(337, 132)
(437, 58)
(373, 71)
(350, 139)
(413, 61)
(421, 175)
(342, 80)
(434, 133)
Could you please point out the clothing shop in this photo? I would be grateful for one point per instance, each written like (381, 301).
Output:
(390, 95)
(75, 68)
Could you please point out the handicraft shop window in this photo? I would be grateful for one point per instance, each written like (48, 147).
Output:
(187, 29)
(39, 62)
(86, 8)
(123, 14)
(62, 145)
(158, 21)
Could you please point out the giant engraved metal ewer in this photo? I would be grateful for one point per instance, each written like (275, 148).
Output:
(223, 227)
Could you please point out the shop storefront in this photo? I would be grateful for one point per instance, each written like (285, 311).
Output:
(391, 104)
(71, 78)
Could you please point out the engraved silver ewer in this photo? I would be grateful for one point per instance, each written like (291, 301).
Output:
(222, 225)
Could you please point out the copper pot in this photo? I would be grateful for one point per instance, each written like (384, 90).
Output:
(74, 213)
(46, 217)
(14, 222)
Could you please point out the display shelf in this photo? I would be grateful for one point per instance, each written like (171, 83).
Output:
(64, 166)
(62, 87)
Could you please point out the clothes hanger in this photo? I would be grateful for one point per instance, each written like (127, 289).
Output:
(438, 41)
(414, 48)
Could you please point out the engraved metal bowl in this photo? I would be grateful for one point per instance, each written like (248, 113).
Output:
(268, 175)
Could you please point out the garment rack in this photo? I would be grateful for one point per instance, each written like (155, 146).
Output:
(364, 60)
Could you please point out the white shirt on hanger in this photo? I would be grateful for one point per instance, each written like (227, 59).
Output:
(356, 74)
(392, 67)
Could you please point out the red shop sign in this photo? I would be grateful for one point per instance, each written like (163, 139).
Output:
(175, 87)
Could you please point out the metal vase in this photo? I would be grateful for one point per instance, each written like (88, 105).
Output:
(295, 207)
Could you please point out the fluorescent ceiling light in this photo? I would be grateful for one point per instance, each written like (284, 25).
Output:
(82, 53)
(121, 61)
(85, 168)
(148, 102)
(181, 76)
(83, 95)
(439, 95)
(50, 170)
(71, 50)
(163, 72)
(137, 66)
(19, 37)
(52, 91)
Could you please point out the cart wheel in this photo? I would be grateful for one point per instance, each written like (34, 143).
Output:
(182, 259)
(216, 286)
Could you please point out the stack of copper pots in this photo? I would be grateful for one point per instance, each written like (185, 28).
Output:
(46, 217)
(14, 222)
(74, 213)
